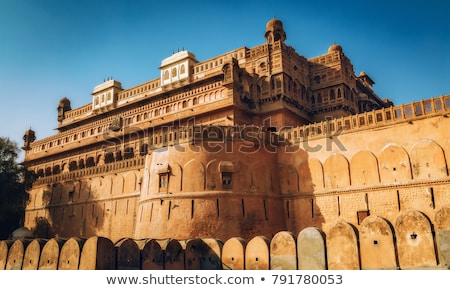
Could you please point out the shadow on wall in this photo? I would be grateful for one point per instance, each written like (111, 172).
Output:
(71, 208)
(408, 244)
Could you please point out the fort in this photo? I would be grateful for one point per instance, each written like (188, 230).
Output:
(256, 145)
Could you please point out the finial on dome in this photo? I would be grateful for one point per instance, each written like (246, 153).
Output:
(335, 47)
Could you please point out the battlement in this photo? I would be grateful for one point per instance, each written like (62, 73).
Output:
(369, 120)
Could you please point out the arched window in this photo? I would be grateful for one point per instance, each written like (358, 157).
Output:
(128, 153)
(332, 96)
(166, 75)
(174, 72)
(90, 162)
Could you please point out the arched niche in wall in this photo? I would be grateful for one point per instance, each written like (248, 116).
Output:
(342, 247)
(118, 184)
(415, 242)
(364, 169)
(311, 175)
(289, 180)
(428, 160)
(377, 244)
(336, 171)
(193, 176)
(394, 164)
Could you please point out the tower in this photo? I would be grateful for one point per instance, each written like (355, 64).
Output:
(63, 106)
(274, 31)
(28, 138)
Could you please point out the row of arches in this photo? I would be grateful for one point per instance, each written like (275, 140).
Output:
(425, 161)
(408, 243)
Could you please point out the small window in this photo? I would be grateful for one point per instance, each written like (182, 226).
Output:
(163, 181)
(226, 179)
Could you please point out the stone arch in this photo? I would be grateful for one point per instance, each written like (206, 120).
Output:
(175, 255)
(336, 171)
(213, 178)
(128, 255)
(203, 254)
(129, 185)
(283, 251)
(193, 176)
(32, 254)
(394, 164)
(15, 255)
(96, 187)
(257, 254)
(50, 254)
(289, 179)
(85, 190)
(153, 254)
(428, 160)
(69, 257)
(342, 247)
(364, 169)
(311, 175)
(311, 249)
(118, 184)
(98, 253)
(377, 244)
(176, 175)
(415, 241)
(233, 254)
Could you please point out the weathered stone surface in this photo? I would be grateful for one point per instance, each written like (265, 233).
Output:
(50, 254)
(4, 248)
(128, 255)
(377, 244)
(311, 250)
(175, 255)
(153, 254)
(32, 254)
(69, 257)
(15, 255)
(342, 247)
(233, 254)
(283, 251)
(203, 254)
(257, 254)
(415, 243)
(443, 236)
(98, 253)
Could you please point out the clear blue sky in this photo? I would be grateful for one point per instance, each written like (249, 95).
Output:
(50, 49)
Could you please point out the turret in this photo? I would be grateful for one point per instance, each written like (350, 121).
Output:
(28, 138)
(63, 106)
(274, 31)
